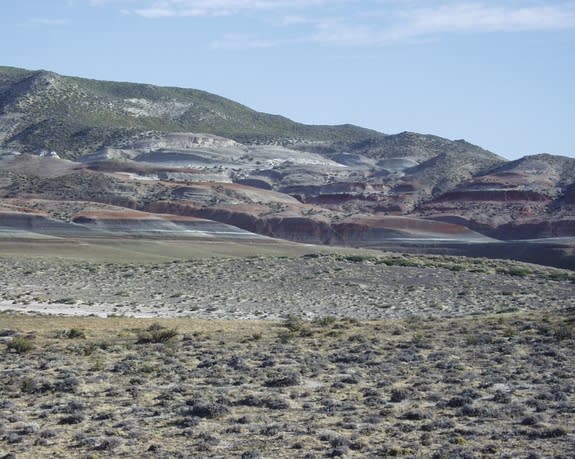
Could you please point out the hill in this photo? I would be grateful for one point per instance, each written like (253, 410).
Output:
(44, 110)
(69, 146)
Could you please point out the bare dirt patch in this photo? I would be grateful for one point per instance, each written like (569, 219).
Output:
(312, 285)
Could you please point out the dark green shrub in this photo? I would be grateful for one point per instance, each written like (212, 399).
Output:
(20, 345)
(398, 395)
(76, 333)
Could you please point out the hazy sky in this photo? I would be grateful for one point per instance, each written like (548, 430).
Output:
(500, 74)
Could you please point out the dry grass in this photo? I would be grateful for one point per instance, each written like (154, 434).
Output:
(361, 285)
(488, 386)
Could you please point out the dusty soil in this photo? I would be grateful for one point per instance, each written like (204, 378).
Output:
(267, 287)
(361, 355)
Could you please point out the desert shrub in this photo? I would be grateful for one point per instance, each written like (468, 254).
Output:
(414, 415)
(252, 400)
(251, 455)
(186, 422)
(563, 332)
(340, 451)
(65, 301)
(399, 394)
(518, 271)
(530, 421)
(357, 258)
(397, 261)
(108, 444)
(68, 384)
(47, 434)
(284, 380)
(294, 323)
(271, 430)
(351, 379)
(33, 386)
(559, 276)
(472, 340)
(73, 407)
(325, 321)
(475, 412)
(20, 345)
(206, 409)
(296, 326)
(84, 440)
(501, 397)
(156, 333)
(75, 333)
(458, 402)
(237, 363)
(4, 333)
(456, 268)
(75, 418)
(550, 433)
(84, 348)
(276, 404)
(71, 333)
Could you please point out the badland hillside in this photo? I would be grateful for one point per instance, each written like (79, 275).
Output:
(85, 157)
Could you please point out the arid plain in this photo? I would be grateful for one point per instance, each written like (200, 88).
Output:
(282, 350)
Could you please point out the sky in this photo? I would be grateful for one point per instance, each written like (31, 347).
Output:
(499, 74)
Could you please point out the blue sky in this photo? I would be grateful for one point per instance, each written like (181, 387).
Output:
(499, 74)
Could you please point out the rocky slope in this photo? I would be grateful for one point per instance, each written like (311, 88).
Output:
(528, 198)
(71, 147)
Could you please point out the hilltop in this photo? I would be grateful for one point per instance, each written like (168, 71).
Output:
(44, 110)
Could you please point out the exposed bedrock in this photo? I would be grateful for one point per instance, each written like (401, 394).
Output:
(537, 229)
(157, 225)
(295, 228)
(316, 229)
(495, 195)
(377, 229)
(36, 222)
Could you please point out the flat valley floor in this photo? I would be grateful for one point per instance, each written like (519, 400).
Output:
(290, 351)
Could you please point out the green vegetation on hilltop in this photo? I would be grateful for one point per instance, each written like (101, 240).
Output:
(75, 115)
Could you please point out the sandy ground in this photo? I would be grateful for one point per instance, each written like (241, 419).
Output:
(471, 357)
(273, 287)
